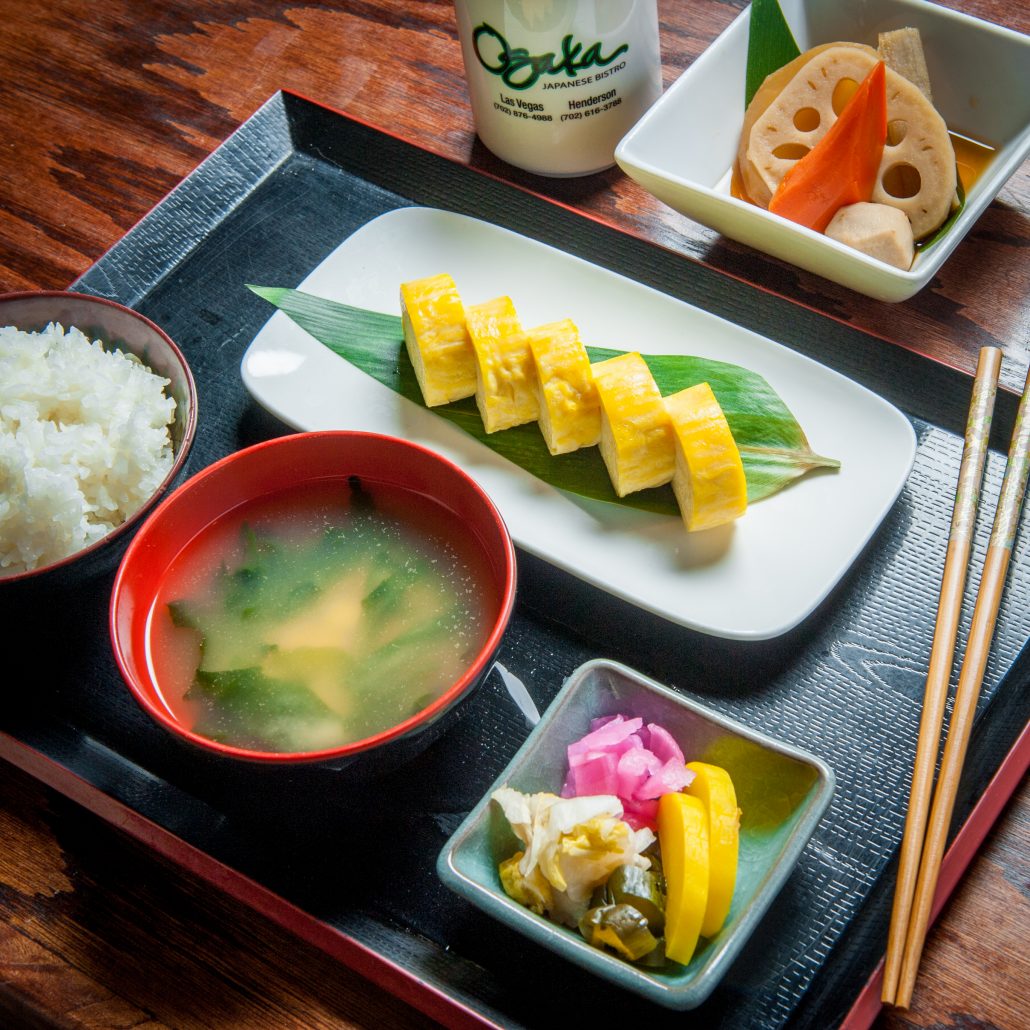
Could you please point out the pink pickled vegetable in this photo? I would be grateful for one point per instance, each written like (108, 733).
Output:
(596, 775)
(661, 742)
(637, 764)
(635, 768)
(627, 744)
(640, 814)
(670, 778)
(611, 734)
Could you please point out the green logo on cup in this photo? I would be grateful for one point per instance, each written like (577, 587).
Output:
(519, 69)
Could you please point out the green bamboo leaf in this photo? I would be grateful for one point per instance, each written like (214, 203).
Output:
(773, 446)
(770, 45)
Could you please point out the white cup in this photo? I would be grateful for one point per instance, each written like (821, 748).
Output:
(555, 84)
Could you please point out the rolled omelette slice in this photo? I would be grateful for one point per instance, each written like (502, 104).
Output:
(636, 431)
(436, 339)
(505, 376)
(709, 478)
(570, 411)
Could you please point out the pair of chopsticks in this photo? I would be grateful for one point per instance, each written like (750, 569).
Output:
(923, 842)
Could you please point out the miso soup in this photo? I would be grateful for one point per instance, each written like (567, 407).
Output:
(319, 616)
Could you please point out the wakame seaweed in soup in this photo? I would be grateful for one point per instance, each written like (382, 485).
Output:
(319, 616)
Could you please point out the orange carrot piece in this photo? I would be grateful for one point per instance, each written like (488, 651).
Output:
(841, 168)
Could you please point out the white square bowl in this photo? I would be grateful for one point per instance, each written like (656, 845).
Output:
(683, 149)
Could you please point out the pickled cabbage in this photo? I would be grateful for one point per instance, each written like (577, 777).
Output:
(572, 845)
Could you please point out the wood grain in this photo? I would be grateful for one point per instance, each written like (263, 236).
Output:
(975, 973)
(106, 106)
(98, 932)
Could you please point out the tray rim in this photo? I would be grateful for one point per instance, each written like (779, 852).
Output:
(957, 859)
(285, 94)
(337, 944)
(401, 982)
(343, 947)
(622, 231)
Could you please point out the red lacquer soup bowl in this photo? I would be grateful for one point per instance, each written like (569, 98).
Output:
(259, 613)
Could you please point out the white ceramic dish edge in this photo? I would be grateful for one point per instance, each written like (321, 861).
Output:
(709, 201)
(752, 581)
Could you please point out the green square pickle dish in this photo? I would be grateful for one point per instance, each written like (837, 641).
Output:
(782, 793)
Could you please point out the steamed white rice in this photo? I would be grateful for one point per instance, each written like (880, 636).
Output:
(84, 441)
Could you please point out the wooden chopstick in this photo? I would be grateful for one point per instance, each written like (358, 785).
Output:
(974, 663)
(949, 607)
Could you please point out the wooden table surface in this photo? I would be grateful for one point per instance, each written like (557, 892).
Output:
(106, 106)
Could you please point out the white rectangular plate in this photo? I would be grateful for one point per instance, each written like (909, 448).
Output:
(753, 580)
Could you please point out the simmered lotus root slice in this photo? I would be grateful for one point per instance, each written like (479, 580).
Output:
(761, 181)
(917, 172)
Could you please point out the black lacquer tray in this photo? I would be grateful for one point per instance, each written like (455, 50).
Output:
(847, 683)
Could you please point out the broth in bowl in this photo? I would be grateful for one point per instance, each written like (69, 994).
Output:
(319, 615)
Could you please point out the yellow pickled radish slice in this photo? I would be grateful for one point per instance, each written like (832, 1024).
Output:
(505, 376)
(636, 431)
(437, 340)
(683, 838)
(714, 788)
(570, 412)
(709, 478)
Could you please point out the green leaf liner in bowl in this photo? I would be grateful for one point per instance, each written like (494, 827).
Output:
(782, 793)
